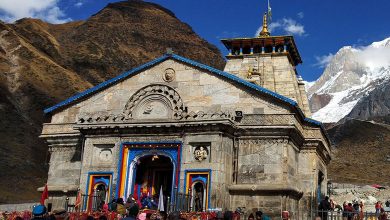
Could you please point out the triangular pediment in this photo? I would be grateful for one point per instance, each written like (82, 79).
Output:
(204, 87)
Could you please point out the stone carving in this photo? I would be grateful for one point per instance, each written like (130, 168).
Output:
(99, 117)
(169, 75)
(267, 141)
(154, 97)
(210, 115)
(151, 109)
(200, 153)
(105, 155)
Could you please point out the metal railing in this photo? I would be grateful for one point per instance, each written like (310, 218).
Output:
(88, 203)
(180, 202)
(334, 215)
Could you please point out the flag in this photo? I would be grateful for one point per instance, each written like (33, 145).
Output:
(269, 13)
(161, 201)
(77, 204)
(45, 195)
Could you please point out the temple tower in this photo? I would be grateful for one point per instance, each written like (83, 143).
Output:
(268, 61)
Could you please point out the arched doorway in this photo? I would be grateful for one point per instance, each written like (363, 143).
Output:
(153, 173)
(198, 202)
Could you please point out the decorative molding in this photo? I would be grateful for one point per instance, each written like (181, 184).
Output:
(263, 141)
(62, 149)
(106, 118)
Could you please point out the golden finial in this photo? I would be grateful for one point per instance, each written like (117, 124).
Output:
(264, 32)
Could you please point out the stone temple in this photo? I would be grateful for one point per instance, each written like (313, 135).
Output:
(241, 137)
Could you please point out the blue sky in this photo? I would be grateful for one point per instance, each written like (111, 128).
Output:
(320, 27)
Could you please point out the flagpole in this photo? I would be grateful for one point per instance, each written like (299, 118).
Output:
(269, 12)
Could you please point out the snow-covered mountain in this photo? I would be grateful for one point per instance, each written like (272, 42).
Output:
(351, 75)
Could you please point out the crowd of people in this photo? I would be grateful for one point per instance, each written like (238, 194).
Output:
(354, 210)
(131, 213)
(132, 209)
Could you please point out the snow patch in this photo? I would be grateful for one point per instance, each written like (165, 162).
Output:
(308, 84)
(334, 110)
(371, 64)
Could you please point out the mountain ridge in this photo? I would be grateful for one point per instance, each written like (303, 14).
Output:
(43, 64)
(349, 77)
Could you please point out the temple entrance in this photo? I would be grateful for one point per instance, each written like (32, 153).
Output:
(153, 173)
(198, 196)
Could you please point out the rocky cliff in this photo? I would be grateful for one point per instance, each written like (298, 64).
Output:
(42, 64)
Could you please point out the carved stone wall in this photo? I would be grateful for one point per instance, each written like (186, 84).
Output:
(269, 147)
(260, 161)
(276, 74)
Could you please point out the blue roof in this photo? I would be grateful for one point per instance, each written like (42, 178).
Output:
(136, 70)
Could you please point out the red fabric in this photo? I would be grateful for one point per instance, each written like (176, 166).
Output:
(78, 201)
(45, 195)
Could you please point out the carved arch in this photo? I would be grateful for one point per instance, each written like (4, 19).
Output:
(165, 95)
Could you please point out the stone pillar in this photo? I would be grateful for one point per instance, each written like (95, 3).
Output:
(64, 169)
(305, 101)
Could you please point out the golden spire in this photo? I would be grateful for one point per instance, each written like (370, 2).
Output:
(264, 32)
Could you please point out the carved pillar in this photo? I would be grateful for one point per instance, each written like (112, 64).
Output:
(65, 163)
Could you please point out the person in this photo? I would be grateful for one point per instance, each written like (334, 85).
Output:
(349, 211)
(105, 207)
(251, 217)
(324, 207)
(142, 216)
(355, 210)
(361, 213)
(387, 203)
(198, 199)
(120, 207)
(39, 212)
(377, 208)
(261, 216)
(132, 213)
(112, 205)
(382, 215)
(345, 210)
(102, 217)
(131, 204)
(332, 204)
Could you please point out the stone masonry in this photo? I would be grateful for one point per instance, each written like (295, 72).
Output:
(262, 151)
